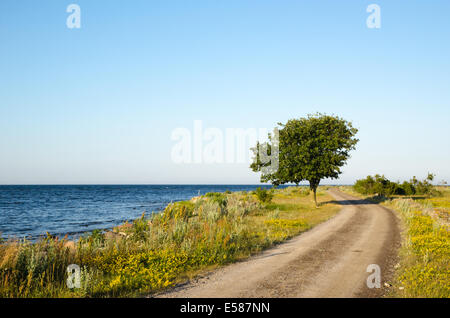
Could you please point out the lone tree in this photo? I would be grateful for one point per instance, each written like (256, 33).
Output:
(311, 148)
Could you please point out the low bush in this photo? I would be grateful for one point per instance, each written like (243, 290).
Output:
(264, 195)
(380, 185)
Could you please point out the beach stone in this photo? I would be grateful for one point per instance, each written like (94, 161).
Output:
(112, 236)
(195, 199)
(70, 245)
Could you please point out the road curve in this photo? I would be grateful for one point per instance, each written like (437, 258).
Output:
(329, 260)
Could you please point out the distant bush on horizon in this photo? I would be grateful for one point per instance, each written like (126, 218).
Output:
(380, 185)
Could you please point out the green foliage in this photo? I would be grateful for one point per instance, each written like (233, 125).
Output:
(311, 148)
(424, 186)
(97, 236)
(377, 185)
(39, 269)
(380, 185)
(139, 228)
(217, 197)
(264, 195)
(408, 188)
(178, 210)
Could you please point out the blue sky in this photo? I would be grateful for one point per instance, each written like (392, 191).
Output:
(98, 104)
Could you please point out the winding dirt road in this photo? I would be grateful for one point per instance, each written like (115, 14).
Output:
(329, 260)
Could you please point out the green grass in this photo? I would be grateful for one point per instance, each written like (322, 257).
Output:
(424, 268)
(151, 254)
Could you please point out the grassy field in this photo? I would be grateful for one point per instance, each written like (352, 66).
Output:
(151, 254)
(424, 268)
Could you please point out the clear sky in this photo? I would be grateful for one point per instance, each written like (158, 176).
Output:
(99, 104)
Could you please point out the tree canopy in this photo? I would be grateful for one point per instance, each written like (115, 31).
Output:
(309, 149)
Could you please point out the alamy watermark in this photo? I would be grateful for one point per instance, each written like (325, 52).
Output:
(73, 21)
(374, 279)
(73, 276)
(374, 19)
(230, 145)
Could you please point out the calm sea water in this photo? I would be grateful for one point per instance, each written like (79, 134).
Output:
(32, 210)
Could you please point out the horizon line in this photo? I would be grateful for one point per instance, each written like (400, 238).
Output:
(163, 184)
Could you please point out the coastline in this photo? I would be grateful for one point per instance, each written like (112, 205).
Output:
(150, 255)
(74, 210)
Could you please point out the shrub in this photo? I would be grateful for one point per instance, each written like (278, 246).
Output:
(179, 210)
(263, 195)
(217, 197)
(423, 187)
(365, 186)
(140, 228)
(408, 188)
(380, 185)
(97, 236)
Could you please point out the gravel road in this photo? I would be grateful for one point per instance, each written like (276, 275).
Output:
(329, 260)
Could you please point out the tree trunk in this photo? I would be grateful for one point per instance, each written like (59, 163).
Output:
(313, 184)
(315, 197)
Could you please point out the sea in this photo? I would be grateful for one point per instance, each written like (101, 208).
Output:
(30, 211)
